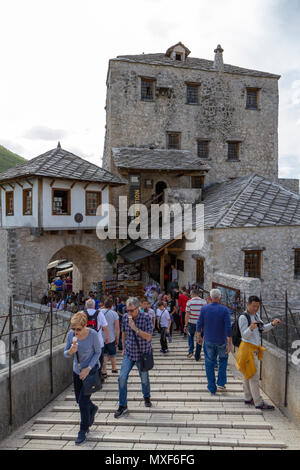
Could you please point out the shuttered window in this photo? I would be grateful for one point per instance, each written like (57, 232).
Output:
(252, 267)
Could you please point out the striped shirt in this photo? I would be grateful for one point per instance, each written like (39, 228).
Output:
(193, 307)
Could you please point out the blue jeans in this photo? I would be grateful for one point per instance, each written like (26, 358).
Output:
(127, 365)
(211, 353)
(84, 401)
(191, 334)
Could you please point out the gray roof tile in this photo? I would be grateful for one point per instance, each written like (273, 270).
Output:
(61, 164)
(157, 159)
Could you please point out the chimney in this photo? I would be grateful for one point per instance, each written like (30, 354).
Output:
(218, 62)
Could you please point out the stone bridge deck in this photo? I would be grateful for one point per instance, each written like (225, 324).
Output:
(183, 416)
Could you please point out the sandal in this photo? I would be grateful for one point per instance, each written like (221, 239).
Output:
(104, 375)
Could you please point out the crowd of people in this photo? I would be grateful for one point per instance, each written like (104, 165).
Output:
(103, 325)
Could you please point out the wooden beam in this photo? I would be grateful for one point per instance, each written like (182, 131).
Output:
(3, 187)
(86, 185)
(73, 184)
(52, 183)
(166, 246)
(19, 184)
(29, 182)
(9, 184)
(176, 250)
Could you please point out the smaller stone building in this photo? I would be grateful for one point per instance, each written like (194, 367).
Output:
(50, 211)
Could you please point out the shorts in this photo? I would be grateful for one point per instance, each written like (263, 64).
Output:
(110, 349)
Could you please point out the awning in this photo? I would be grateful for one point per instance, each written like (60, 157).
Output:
(55, 263)
(64, 271)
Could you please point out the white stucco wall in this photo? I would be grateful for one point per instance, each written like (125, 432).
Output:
(18, 219)
(49, 220)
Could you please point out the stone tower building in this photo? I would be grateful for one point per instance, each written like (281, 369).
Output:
(224, 115)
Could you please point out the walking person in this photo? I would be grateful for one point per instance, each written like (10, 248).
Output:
(110, 350)
(171, 307)
(193, 308)
(97, 322)
(164, 322)
(182, 300)
(215, 322)
(83, 343)
(137, 331)
(250, 352)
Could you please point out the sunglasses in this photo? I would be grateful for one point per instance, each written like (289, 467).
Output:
(77, 329)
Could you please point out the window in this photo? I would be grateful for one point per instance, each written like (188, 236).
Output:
(233, 150)
(178, 56)
(173, 140)
(147, 89)
(203, 148)
(252, 98)
(192, 94)
(252, 266)
(27, 202)
(197, 182)
(93, 200)
(61, 202)
(9, 202)
(180, 265)
(148, 183)
(297, 264)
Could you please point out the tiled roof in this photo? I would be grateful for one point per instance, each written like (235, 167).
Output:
(59, 163)
(157, 159)
(252, 201)
(192, 63)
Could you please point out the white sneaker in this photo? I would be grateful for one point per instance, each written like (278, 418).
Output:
(221, 389)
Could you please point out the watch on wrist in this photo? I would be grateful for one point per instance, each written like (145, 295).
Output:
(137, 331)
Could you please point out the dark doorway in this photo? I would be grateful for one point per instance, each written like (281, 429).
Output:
(159, 191)
(200, 271)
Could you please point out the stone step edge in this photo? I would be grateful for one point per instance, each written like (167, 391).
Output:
(167, 424)
(214, 442)
(218, 411)
(107, 389)
(164, 399)
(165, 382)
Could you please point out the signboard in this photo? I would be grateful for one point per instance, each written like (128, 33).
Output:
(135, 191)
(230, 297)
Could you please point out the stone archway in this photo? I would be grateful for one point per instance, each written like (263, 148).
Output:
(88, 265)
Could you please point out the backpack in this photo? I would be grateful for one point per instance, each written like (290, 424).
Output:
(235, 329)
(92, 320)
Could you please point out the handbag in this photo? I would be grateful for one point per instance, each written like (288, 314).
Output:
(92, 383)
(146, 359)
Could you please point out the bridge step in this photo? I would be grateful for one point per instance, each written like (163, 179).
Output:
(185, 411)
(183, 415)
(128, 437)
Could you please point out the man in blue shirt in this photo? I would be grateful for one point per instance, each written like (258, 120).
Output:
(214, 321)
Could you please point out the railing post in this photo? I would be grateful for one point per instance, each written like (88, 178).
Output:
(51, 348)
(10, 362)
(286, 349)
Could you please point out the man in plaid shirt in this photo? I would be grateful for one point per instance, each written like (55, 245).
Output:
(136, 325)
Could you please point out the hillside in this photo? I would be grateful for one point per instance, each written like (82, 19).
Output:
(9, 159)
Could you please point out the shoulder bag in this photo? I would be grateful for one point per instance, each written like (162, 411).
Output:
(92, 383)
(147, 361)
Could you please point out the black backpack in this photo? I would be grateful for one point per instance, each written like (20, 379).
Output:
(235, 329)
(92, 320)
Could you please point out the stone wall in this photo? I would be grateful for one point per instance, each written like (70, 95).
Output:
(31, 388)
(221, 115)
(26, 257)
(223, 253)
(289, 183)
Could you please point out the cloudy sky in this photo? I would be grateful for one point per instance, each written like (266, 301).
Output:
(54, 56)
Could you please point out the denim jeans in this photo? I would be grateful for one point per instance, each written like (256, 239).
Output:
(211, 353)
(191, 334)
(84, 401)
(127, 365)
(163, 339)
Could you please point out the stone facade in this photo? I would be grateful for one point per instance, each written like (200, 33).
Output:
(223, 252)
(289, 183)
(220, 115)
(27, 257)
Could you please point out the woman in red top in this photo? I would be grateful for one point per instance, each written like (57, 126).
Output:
(182, 300)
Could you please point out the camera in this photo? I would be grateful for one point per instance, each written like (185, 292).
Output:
(260, 326)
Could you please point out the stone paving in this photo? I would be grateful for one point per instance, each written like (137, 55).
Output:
(183, 417)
